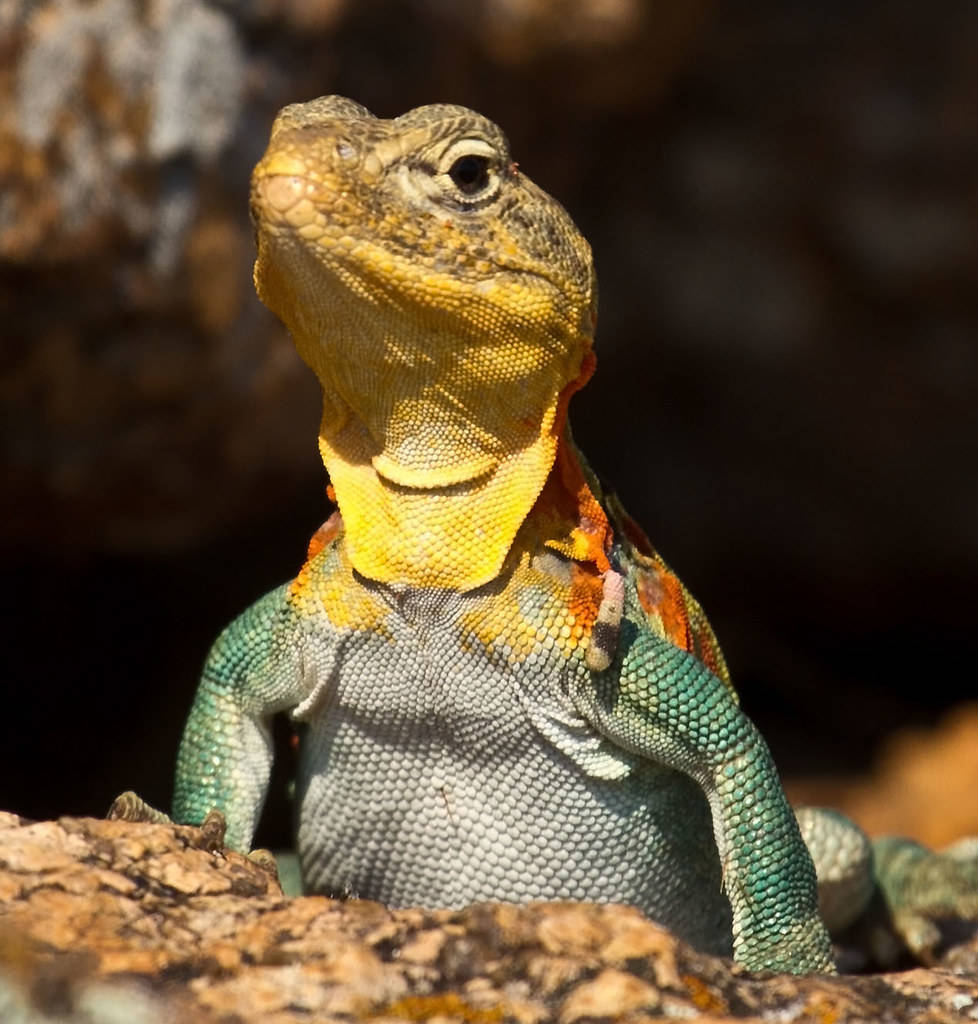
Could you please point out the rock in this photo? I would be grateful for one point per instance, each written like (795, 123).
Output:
(105, 921)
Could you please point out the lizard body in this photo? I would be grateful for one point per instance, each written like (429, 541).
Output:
(504, 692)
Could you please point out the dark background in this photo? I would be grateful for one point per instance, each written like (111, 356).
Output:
(783, 202)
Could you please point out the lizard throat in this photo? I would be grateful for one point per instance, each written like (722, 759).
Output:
(433, 529)
(450, 527)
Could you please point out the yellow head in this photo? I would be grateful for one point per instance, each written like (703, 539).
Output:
(445, 303)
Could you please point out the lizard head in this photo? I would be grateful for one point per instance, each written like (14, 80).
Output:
(447, 305)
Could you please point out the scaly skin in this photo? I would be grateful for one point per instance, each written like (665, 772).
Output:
(506, 692)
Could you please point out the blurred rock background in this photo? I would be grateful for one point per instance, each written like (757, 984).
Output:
(782, 196)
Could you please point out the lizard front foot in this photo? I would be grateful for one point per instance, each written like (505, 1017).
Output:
(130, 806)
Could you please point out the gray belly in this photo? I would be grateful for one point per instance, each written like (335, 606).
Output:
(424, 782)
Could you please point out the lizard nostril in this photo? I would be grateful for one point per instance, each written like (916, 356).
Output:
(282, 191)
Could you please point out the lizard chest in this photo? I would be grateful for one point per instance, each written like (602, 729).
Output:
(438, 772)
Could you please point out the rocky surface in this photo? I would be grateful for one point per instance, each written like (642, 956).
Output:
(107, 921)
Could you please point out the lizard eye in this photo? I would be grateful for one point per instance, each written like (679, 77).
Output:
(470, 173)
(465, 175)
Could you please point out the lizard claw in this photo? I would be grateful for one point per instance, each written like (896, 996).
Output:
(283, 868)
(212, 831)
(130, 806)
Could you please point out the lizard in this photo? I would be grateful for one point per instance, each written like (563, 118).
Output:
(503, 690)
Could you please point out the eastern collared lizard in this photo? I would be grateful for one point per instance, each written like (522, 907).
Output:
(504, 692)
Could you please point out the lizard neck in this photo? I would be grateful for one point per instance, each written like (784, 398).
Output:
(434, 474)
